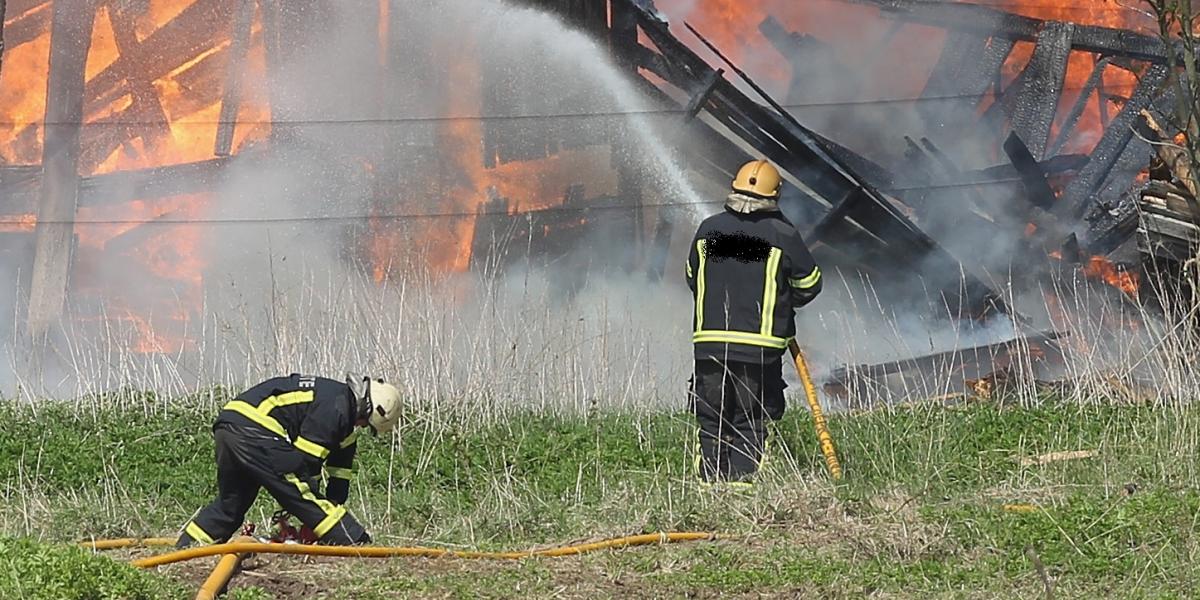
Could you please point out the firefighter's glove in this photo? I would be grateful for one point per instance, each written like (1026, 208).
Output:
(306, 535)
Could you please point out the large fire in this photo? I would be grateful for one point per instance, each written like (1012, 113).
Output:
(120, 133)
(171, 117)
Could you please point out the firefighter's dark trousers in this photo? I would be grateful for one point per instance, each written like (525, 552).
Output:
(248, 460)
(732, 402)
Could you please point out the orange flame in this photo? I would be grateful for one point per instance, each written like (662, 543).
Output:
(126, 233)
(18, 223)
(1101, 269)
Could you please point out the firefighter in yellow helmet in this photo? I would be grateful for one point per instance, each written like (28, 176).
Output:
(748, 269)
(280, 435)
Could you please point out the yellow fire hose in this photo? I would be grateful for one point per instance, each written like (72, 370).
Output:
(422, 551)
(810, 393)
(219, 577)
(221, 574)
(126, 543)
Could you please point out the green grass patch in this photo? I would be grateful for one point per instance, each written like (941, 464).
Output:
(36, 571)
(920, 508)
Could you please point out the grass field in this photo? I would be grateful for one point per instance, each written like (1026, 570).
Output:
(921, 512)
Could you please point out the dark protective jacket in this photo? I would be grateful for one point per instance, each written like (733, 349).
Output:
(315, 415)
(748, 272)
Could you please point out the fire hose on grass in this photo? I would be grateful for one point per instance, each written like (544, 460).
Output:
(810, 394)
(418, 551)
(222, 573)
(219, 577)
(232, 553)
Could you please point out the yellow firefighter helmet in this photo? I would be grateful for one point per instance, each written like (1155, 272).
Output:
(758, 178)
(385, 405)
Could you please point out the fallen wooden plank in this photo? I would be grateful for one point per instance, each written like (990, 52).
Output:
(1171, 227)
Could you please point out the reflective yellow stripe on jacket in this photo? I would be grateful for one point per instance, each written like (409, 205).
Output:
(808, 281)
(769, 290)
(340, 472)
(333, 512)
(739, 337)
(764, 335)
(700, 286)
(261, 415)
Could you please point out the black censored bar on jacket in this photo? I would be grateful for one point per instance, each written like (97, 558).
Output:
(748, 273)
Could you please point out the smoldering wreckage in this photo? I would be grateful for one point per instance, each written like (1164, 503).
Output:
(1068, 198)
(139, 125)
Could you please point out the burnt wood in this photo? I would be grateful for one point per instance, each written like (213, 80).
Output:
(1037, 189)
(966, 364)
(3, 6)
(809, 58)
(29, 25)
(1058, 164)
(235, 62)
(1037, 101)
(1082, 191)
(147, 107)
(966, 69)
(20, 186)
(70, 39)
(696, 102)
(996, 23)
(1093, 82)
(195, 29)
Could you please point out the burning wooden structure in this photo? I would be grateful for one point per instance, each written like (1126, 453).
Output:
(149, 108)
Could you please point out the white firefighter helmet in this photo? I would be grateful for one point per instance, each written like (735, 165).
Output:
(385, 405)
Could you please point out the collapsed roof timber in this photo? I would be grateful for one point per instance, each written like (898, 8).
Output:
(888, 217)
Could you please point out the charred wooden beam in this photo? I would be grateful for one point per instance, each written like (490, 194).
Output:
(988, 21)
(119, 186)
(1058, 164)
(146, 106)
(1036, 187)
(156, 182)
(14, 177)
(1037, 102)
(1081, 191)
(195, 29)
(966, 69)
(1081, 102)
(3, 5)
(231, 99)
(70, 39)
(809, 57)
(697, 101)
(962, 55)
(29, 22)
(964, 365)
(1004, 104)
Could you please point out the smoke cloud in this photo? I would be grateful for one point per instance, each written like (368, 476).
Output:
(316, 243)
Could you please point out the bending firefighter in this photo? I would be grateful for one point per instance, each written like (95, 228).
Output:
(279, 435)
(748, 269)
